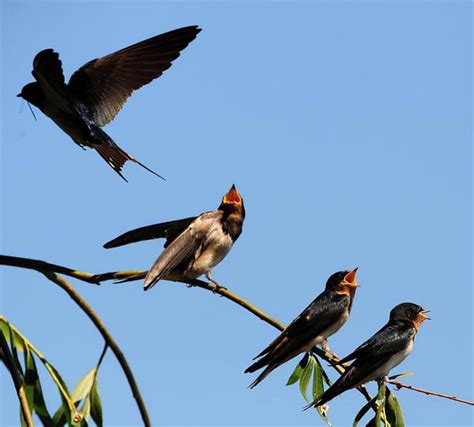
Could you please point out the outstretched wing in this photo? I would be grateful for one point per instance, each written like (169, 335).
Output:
(168, 230)
(48, 72)
(104, 84)
(183, 247)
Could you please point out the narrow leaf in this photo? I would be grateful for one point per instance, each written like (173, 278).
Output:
(404, 375)
(84, 386)
(380, 405)
(296, 374)
(326, 378)
(318, 388)
(393, 410)
(363, 411)
(96, 405)
(34, 391)
(305, 377)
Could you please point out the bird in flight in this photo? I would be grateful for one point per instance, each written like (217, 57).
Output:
(386, 349)
(193, 245)
(321, 319)
(97, 91)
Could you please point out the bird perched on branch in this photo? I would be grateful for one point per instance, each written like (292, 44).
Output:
(193, 245)
(97, 91)
(374, 359)
(321, 319)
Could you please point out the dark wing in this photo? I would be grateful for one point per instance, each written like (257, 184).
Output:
(48, 71)
(104, 84)
(168, 230)
(183, 247)
(369, 357)
(47, 67)
(388, 340)
(322, 313)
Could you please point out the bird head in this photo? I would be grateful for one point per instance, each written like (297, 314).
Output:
(410, 312)
(343, 282)
(232, 203)
(33, 94)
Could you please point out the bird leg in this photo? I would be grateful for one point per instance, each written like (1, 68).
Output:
(218, 287)
(325, 346)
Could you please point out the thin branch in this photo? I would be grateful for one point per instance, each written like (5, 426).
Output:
(86, 308)
(41, 266)
(400, 385)
(17, 378)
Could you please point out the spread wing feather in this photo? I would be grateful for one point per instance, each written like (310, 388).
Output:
(103, 85)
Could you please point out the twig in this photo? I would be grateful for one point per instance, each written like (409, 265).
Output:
(400, 385)
(61, 282)
(17, 378)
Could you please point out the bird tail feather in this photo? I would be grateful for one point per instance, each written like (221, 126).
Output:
(114, 155)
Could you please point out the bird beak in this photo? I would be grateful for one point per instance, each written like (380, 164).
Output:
(19, 95)
(232, 196)
(424, 316)
(350, 280)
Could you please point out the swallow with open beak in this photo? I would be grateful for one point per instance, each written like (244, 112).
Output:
(374, 359)
(321, 319)
(193, 245)
(97, 91)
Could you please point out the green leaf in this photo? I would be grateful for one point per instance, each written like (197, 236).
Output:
(380, 401)
(404, 375)
(8, 333)
(363, 411)
(84, 386)
(296, 374)
(325, 375)
(34, 392)
(393, 410)
(318, 388)
(96, 405)
(86, 409)
(305, 377)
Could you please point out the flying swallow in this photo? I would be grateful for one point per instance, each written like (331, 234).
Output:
(321, 319)
(97, 91)
(386, 349)
(193, 245)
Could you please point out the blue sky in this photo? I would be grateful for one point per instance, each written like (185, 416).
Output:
(346, 126)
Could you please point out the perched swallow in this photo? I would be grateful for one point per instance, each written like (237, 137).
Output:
(321, 319)
(193, 245)
(97, 91)
(379, 354)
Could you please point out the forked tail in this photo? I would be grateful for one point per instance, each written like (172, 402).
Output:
(114, 155)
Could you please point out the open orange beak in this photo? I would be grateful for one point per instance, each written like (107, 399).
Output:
(232, 196)
(424, 316)
(350, 280)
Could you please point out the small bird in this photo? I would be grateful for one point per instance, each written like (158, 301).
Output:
(379, 354)
(321, 319)
(97, 91)
(193, 245)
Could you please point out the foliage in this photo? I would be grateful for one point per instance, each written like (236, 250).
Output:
(76, 408)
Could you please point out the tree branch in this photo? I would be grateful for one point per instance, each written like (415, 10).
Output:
(400, 385)
(133, 275)
(10, 364)
(86, 308)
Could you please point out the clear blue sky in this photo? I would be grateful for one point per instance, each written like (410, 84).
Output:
(346, 127)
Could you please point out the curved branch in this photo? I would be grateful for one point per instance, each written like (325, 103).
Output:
(86, 308)
(7, 358)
